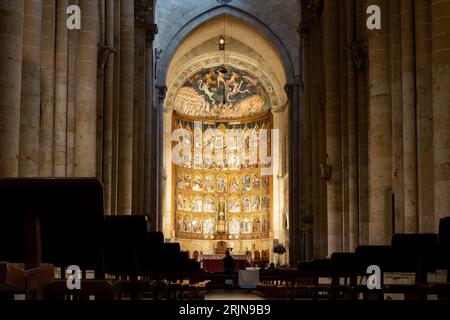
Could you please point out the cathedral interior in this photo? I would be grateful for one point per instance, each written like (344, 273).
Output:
(311, 134)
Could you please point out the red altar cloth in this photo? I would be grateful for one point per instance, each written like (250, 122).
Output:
(214, 262)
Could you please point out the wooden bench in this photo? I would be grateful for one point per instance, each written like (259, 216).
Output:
(55, 220)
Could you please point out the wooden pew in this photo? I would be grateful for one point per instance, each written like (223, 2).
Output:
(413, 253)
(343, 269)
(125, 239)
(442, 290)
(367, 256)
(57, 220)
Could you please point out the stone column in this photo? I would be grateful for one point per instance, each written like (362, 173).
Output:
(149, 192)
(11, 28)
(424, 91)
(320, 231)
(125, 147)
(409, 117)
(352, 120)
(380, 131)
(108, 105)
(343, 81)
(71, 98)
(142, 23)
(47, 88)
(333, 123)
(31, 90)
(157, 154)
(86, 103)
(360, 60)
(307, 125)
(440, 13)
(397, 118)
(297, 216)
(62, 50)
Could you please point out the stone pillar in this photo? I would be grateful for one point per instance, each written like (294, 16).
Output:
(343, 92)
(352, 120)
(409, 117)
(11, 28)
(47, 88)
(62, 50)
(440, 17)
(296, 171)
(142, 23)
(102, 58)
(31, 90)
(71, 98)
(86, 103)
(333, 123)
(156, 152)
(150, 107)
(424, 91)
(318, 145)
(125, 147)
(397, 118)
(360, 60)
(108, 105)
(308, 245)
(380, 132)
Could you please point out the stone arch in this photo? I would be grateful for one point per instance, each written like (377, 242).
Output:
(201, 16)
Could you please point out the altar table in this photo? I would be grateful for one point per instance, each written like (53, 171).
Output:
(214, 262)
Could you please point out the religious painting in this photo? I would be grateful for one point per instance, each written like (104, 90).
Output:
(209, 204)
(246, 204)
(180, 181)
(233, 139)
(179, 224)
(198, 161)
(234, 162)
(221, 183)
(186, 204)
(247, 182)
(255, 203)
(222, 92)
(256, 182)
(235, 205)
(196, 226)
(265, 225)
(265, 203)
(246, 226)
(209, 183)
(197, 204)
(187, 181)
(187, 227)
(208, 161)
(265, 183)
(197, 183)
(235, 184)
(179, 202)
(256, 225)
(234, 226)
(208, 226)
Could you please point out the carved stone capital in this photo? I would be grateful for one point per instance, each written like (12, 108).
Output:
(162, 92)
(103, 56)
(359, 55)
(311, 10)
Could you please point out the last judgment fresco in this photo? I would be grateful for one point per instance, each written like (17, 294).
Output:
(222, 92)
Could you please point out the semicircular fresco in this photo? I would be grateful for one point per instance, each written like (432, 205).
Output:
(222, 92)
